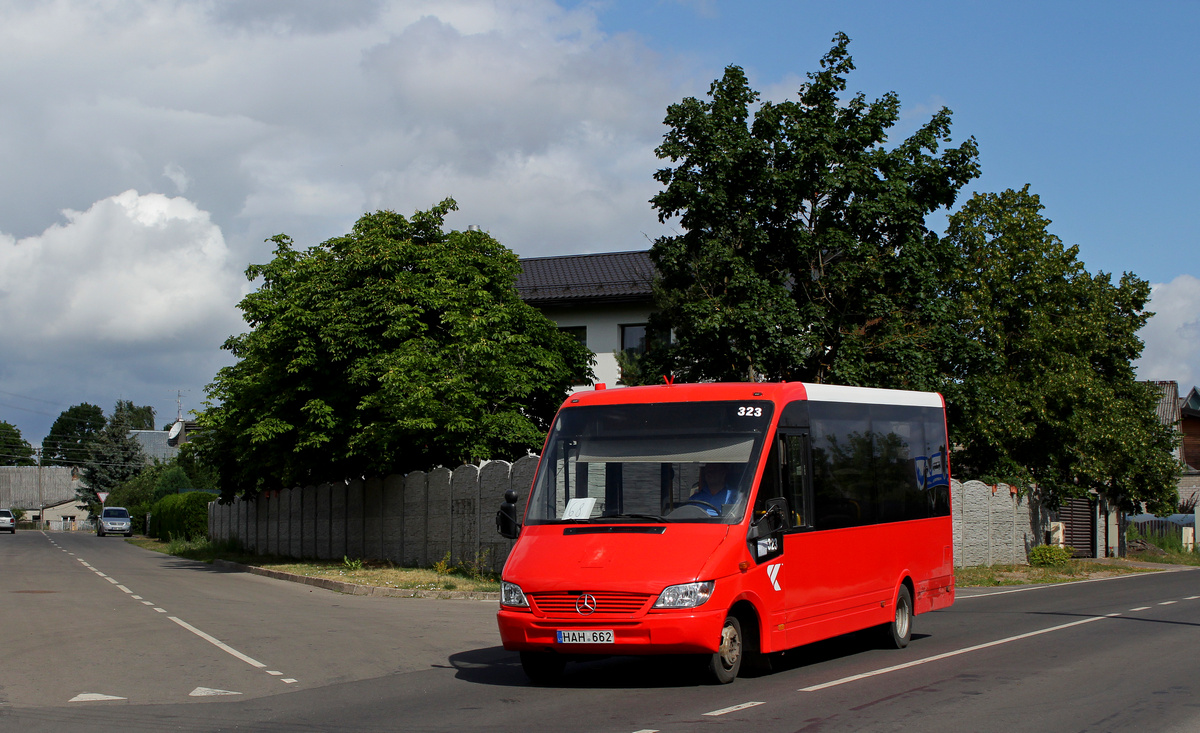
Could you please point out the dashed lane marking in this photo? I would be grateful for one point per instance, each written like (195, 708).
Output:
(947, 655)
(1140, 608)
(733, 709)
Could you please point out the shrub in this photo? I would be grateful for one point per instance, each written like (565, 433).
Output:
(181, 516)
(1049, 556)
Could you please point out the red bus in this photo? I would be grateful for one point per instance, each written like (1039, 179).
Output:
(728, 521)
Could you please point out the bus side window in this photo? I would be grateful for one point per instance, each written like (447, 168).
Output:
(795, 478)
(770, 488)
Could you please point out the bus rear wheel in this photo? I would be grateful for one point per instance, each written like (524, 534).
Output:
(726, 662)
(898, 632)
(542, 668)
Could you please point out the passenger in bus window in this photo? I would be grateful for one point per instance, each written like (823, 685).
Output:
(718, 486)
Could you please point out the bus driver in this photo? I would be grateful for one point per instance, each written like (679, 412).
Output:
(717, 487)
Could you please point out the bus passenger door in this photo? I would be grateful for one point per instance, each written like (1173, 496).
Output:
(799, 547)
(782, 502)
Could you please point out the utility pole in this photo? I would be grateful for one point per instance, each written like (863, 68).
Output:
(41, 501)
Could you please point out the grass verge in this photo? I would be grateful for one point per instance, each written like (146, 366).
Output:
(986, 576)
(359, 572)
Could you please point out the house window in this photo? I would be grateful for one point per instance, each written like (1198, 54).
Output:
(633, 339)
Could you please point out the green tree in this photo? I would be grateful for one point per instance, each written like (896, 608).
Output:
(14, 450)
(1043, 389)
(173, 480)
(76, 426)
(804, 253)
(114, 456)
(398, 346)
(138, 417)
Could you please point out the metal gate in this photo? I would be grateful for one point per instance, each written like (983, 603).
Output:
(1079, 526)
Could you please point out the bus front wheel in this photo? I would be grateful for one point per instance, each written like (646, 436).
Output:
(724, 664)
(898, 632)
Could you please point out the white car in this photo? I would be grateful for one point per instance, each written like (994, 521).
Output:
(8, 521)
(114, 520)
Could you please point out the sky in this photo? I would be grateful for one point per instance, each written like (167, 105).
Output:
(148, 148)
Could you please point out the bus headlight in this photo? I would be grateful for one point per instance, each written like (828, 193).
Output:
(512, 595)
(687, 595)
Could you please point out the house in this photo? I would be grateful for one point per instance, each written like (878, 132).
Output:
(1183, 414)
(604, 300)
(33, 487)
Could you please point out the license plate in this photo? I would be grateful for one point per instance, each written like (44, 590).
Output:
(585, 636)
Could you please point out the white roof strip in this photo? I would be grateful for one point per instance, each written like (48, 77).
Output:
(871, 395)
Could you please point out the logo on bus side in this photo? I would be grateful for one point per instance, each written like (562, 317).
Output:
(773, 574)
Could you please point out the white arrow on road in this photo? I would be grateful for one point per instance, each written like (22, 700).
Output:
(94, 697)
(208, 692)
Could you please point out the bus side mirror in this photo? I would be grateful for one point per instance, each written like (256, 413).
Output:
(765, 537)
(506, 519)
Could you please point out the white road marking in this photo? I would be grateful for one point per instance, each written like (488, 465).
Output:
(111, 580)
(218, 643)
(147, 603)
(123, 588)
(647, 730)
(947, 655)
(733, 709)
(1140, 608)
(1026, 589)
(288, 680)
(1191, 598)
(136, 598)
(1168, 603)
(94, 697)
(160, 610)
(209, 692)
(277, 674)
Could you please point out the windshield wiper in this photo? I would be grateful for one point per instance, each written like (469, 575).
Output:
(651, 517)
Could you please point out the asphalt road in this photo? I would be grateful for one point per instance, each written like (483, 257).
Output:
(100, 634)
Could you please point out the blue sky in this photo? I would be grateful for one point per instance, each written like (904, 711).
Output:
(147, 149)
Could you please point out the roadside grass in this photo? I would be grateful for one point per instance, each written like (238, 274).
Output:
(995, 575)
(442, 577)
(1168, 557)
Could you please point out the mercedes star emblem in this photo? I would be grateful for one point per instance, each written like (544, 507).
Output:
(586, 604)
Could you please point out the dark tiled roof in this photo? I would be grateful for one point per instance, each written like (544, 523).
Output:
(1190, 405)
(612, 277)
(1168, 402)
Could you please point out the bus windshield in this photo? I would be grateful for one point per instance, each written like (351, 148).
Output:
(660, 462)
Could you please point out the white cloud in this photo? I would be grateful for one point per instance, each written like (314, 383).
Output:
(130, 270)
(1172, 335)
(289, 116)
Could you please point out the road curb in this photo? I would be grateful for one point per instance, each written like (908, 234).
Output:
(354, 589)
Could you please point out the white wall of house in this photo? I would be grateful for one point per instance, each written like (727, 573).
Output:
(603, 323)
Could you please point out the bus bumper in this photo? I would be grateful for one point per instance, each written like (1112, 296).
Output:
(681, 632)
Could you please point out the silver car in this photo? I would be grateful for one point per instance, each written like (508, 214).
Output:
(114, 520)
(7, 521)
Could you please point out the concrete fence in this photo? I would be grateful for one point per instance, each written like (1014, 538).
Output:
(425, 517)
(993, 524)
(415, 519)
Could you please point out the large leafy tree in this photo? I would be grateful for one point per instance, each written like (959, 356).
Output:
(804, 252)
(76, 426)
(1044, 391)
(138, 417)
(114, 456)
(399, 346)
(14, 450)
